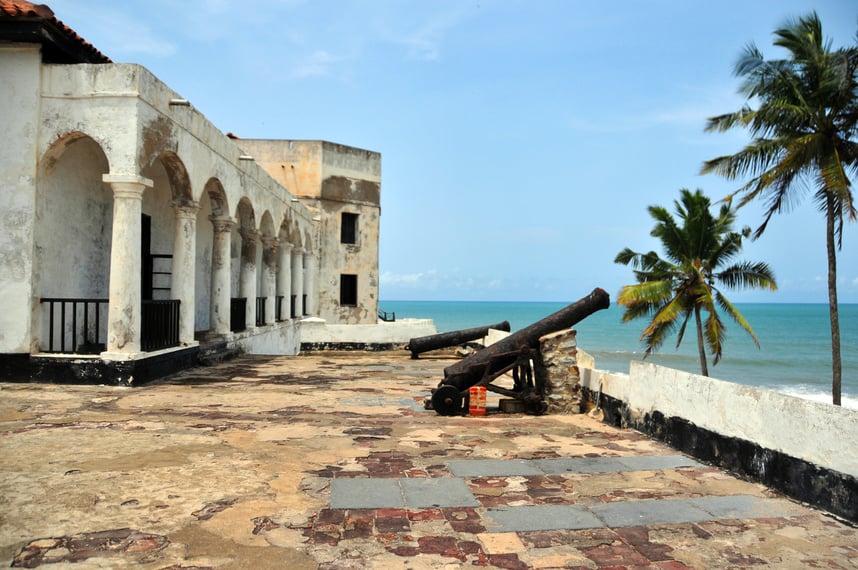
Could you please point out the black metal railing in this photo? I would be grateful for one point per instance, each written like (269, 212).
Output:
(387, 317)
(237, 314)
(292, 303)
(76, 325)
(260, 311)
(79, 326)
(159, 324)
(279, 316)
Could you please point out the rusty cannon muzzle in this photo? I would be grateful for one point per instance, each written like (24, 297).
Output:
(453, 338)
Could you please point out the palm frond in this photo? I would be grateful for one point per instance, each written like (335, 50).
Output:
(748, 275)
(736, 315)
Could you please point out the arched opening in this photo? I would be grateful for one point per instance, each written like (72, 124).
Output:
(167, 252)
(244, 265)
(267, 273)
(73, 235)
(212, 215)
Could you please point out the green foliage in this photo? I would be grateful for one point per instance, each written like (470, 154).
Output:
(699, 250)
(803, 136)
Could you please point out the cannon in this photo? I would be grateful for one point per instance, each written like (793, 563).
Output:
(453, 338)
(518, 354)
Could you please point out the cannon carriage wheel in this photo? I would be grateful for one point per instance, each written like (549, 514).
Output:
(447, 400)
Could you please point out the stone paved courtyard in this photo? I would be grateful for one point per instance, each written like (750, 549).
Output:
(330, 461)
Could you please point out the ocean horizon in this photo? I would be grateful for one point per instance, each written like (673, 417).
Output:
(794, 355)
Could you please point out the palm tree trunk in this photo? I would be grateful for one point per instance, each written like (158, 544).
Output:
(836, 365)
(701, 348)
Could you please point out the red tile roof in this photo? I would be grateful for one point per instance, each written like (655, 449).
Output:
(27, 9)
(36, 23)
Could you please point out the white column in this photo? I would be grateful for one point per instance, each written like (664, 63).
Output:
(269, 277)
(298, 280)
(248, 274)
(310, 283)
(219, 310)
(284, 279)
(124, 306)
(183, 276)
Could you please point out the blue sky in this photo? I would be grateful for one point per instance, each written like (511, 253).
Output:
(521, 141)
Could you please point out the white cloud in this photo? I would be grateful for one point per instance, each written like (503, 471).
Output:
(428, 279)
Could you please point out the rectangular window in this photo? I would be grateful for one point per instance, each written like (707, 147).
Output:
(348, 290)
(348, 228)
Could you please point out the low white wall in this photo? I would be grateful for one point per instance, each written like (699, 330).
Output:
(281, 339)
(315, 330)
(821, 434)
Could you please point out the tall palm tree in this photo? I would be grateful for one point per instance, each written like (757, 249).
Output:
(673, 290)
(804, 131)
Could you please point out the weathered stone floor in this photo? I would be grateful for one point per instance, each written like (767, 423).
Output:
(329, 461)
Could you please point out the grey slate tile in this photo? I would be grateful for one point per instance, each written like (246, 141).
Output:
(366, 493)
(580, 465)
(494, 468)
(661, 511)
(656, 462)
(437, 492)
(539, 517)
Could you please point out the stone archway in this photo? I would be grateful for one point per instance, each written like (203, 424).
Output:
(73, 239)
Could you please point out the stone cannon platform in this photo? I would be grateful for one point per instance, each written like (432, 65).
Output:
(329, 460)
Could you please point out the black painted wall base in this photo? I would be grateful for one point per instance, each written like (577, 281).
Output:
(26, 368)
(826, 489)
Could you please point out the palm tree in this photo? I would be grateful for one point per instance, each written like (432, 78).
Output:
(803, 137)
(673, 290)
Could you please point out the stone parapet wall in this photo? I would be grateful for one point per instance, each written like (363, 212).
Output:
(796, 446)
(560, 357)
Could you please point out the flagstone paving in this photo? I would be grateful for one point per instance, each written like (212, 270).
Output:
(330, 461)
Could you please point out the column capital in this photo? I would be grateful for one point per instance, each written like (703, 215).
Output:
(127, 185)
(286, 246)
(248, 235)
(186, 208)
(296, 250)
(222, 224)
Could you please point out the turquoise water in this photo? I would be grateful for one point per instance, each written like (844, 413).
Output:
(794, 356)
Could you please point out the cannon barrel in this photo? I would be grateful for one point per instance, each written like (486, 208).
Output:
(452, 338)
(470, 370)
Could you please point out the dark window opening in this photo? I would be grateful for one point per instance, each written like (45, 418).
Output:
(348, 290)
(348, 228)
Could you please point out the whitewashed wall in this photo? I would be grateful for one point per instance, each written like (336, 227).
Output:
(19, 90)
(821, 434)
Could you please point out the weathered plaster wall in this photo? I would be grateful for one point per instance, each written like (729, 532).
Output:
(318, 332)
(74, 213)
(297, 165)
(19, 92)
(818, 433)
(332, 179)
(351, 182)
(128, 119)
(283, 339)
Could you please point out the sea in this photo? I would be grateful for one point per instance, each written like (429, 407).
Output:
(794, 356)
